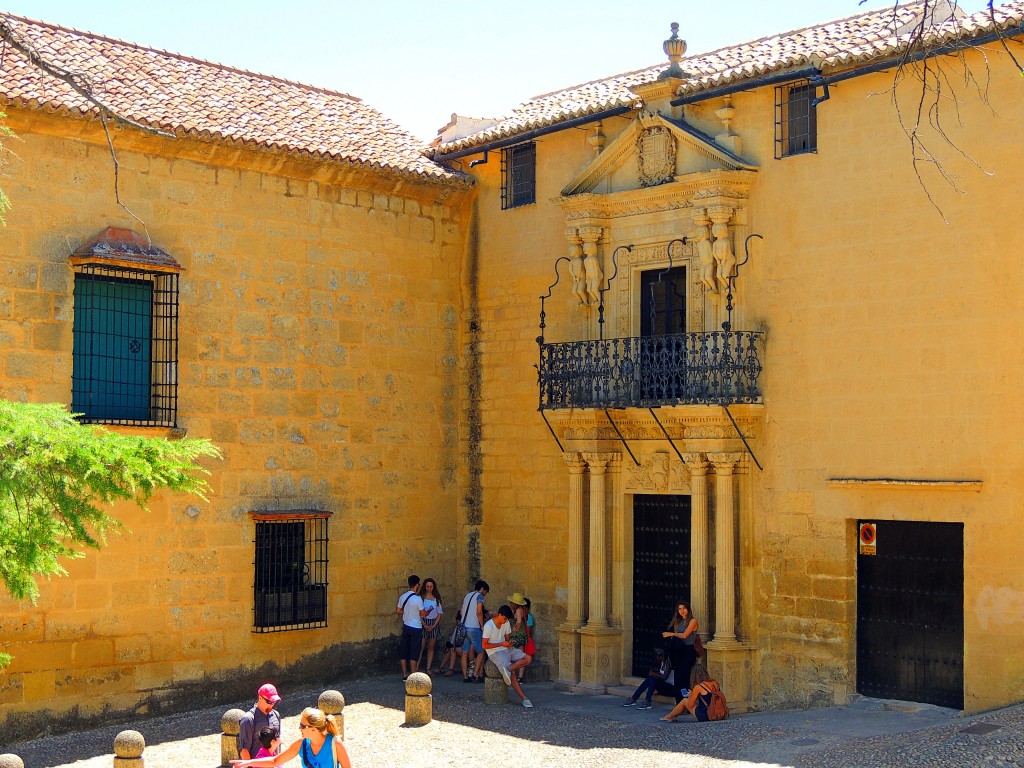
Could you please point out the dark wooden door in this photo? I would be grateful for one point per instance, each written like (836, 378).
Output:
(661, 570)
(910, 603)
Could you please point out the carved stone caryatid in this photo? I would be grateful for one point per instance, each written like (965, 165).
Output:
(593, 273)
(698, 467)
(577, 557)
(725, 543)
(598, 613)
(656, 155)
(700, 236)
(579, 281)
(725, 257)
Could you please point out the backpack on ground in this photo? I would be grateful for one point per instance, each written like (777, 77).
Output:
(717, 708)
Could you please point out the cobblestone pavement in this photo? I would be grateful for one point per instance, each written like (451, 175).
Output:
(574, 730)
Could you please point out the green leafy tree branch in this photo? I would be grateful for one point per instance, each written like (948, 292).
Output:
(58, 479)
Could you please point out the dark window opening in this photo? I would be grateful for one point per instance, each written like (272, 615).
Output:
(518, 175)
(290, 581)
(796, 122)
(125, 346)
(663, 302)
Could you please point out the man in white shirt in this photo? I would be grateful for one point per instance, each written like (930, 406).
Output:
(473, 618)
(410, 605)
(499, 650)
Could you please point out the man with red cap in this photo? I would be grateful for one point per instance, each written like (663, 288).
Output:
(262, 715)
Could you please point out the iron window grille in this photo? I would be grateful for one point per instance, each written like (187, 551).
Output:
(125, 345)
(290, 571)
(518, 175)
(796, 121)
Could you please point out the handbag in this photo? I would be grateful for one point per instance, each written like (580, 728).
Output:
(698, 645)
(459, 633)
(530, 649)
(519, 637)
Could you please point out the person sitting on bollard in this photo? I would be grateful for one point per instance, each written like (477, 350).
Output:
(320, 746)
(262, 715)
(271, 740)
(659, 680)
(500, 651)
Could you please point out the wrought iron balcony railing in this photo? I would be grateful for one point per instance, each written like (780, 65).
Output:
(716, 368)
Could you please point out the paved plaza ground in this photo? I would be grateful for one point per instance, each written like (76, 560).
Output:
(572, 731)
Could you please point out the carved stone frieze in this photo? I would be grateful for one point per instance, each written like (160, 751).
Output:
(679, 475)
(651, 475)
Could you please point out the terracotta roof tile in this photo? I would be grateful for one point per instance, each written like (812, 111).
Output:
(836, 43)
(179, 94)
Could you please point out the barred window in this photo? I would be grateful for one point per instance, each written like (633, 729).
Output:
(796, 122)
(518, 175)
(290, 571)
(124, 367)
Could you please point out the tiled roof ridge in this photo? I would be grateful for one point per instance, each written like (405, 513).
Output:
(713, 51)
(180, 56)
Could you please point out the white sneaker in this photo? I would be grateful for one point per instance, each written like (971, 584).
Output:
(505, 675)
(527, 703)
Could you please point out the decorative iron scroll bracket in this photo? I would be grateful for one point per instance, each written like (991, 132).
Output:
(600, 306)
(665, 432)
(727, 325)
(617, 432)
(540, 339)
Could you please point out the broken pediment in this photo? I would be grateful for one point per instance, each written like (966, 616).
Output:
(652, 151)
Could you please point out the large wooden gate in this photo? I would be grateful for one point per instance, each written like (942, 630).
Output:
(661, 570)
(910, 603)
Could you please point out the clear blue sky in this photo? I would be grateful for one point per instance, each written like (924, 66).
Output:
(418, 61)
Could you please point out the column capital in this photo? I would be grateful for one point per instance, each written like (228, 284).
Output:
(614, 462)
(575, 463)
(590, 234)
(597, 462)
(572, 235)
(697, 463)
(724, 462)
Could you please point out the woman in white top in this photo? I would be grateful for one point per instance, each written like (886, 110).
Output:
(434, 606)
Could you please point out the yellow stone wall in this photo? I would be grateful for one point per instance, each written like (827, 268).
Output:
(893, 351)
(319, 349)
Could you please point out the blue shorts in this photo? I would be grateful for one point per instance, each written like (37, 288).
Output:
(474, 635)
(412, 641)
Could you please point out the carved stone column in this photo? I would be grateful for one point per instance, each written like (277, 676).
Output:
(568, 639)
(619, 563)
(600, 644)
(598, 614)
(725, 544)
(577, 556)
(698, 467)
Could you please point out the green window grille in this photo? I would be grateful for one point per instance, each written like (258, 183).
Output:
(124, 358)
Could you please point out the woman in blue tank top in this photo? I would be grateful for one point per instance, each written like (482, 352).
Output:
(320, 746)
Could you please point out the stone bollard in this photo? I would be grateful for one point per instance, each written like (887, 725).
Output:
(419, 707)
(128, 746)
(495, 690)
(333, 703)
(11, 761)
(229, 726)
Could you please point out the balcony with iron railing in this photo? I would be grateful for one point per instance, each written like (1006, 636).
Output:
(712, 368)
(705, 368)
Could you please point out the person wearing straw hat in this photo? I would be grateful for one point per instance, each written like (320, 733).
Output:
(521, 629)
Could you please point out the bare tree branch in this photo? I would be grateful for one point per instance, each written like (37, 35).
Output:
(79, 83)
